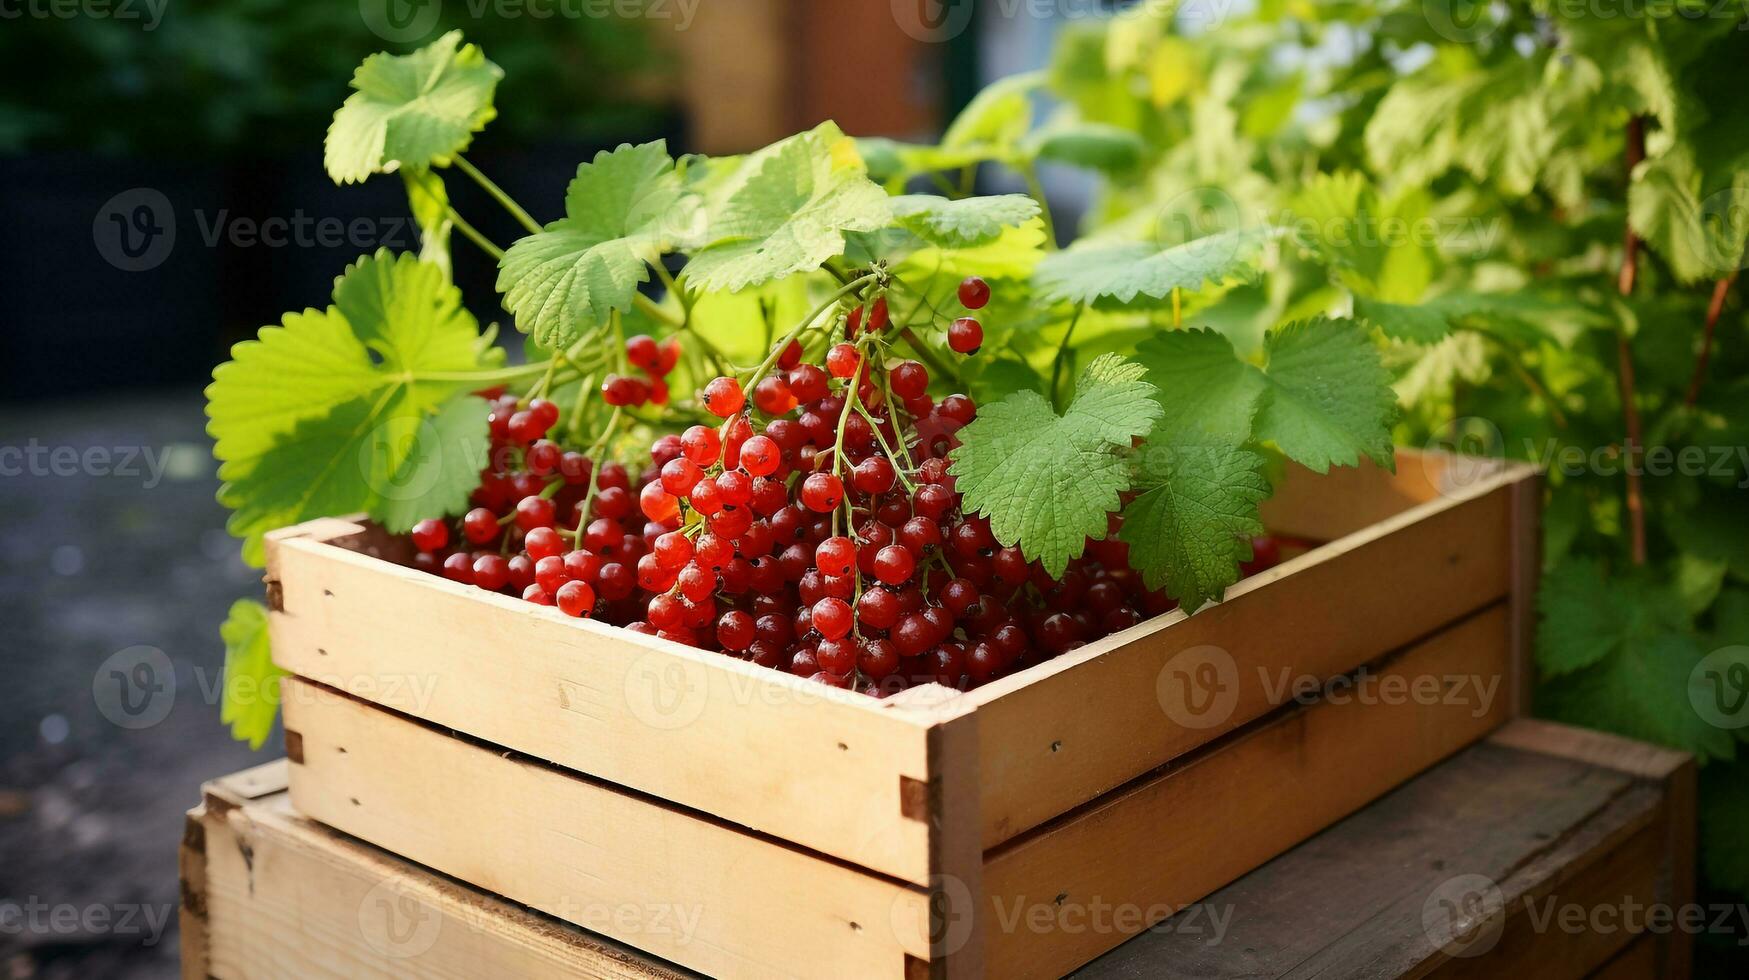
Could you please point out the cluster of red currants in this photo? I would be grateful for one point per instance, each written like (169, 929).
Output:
(826, 539)
(655, 360)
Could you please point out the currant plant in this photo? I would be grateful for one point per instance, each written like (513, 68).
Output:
(773, 408)
(1538, 213)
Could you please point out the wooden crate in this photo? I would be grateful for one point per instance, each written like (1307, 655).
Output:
(1545, 812)
(560, 762)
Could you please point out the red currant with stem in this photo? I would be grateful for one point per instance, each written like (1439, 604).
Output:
(723, 397)
(807, 383)
(974, 293)
(431, 535)
(842, 360)
(832, 617)
(791, 356)
(965, 336)
(874, 475)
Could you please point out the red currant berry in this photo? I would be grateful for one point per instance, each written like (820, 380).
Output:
(533, 512)
(832, 617)
(480, 525)
(543, 542)
(965, 336)
(537, 595)
(491, 572)
(550, 573)
(974, 293)
(735, 630)
(657, 503)
(835, 556)
(772, 396)
(642, 352)
(723, 397)
(821, 492)
(575, 599)
(894, 565)
(842, 360)
(807, 383)
(910, 379)
(430, 535)
(760, 456)
(874, 475)
(673, 550)
(791, 356)
(459, 568)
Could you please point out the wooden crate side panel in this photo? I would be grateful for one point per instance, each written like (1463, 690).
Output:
(776, 753)
(1638, 962)
(294, 901)
(1067, 731)
(561, 844)
(1166, 842)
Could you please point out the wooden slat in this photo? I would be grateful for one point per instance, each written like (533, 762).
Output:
(561, 843)
(776, 753)
(1177, 836)
(1367, 898)
(1068, 730)
(289, 899)
(1638, 962)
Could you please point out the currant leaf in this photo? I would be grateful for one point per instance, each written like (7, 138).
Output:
(1330, 398)
(416, 110)
(429, 201)
(1045, 481)
(1094, 146)
(786, 210)
(622, 212)
(969, 223)
(1122, 272)
(1192, 525)
(312, 418)
(1207, 392)
(251, 687)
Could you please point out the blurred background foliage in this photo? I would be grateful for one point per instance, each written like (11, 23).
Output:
(259, 77)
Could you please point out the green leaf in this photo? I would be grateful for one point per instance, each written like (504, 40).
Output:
(1192, 526)
(440, 459)
(1208, 393)
(1087, 273)
(1330, 399)
(1642, 691)
(416, 110)
(622, 212)
(1095, 146)
(1699, 229)
(429, 201)
(1373, 243)
(312, 418)
(786, 210)
(1045, 481)
(968, 223)
(1621, 651)
(997, 117)
(251, 692)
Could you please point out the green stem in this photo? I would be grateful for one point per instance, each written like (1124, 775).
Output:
(499, 376)
(473, 235)
(1037, 190)
(1063, 351)
(778, 348)
(498, 195)
(942, 368)
(649, 308)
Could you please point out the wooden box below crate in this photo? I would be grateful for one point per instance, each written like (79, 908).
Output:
(1546, 814)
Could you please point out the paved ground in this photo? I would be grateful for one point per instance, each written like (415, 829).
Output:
(100, 555)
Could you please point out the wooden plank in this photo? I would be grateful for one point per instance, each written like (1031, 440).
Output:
(750, 905)
(1070, 729)
(290, 899)
(1638, 962)
(816, 766)
(1177, 836)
